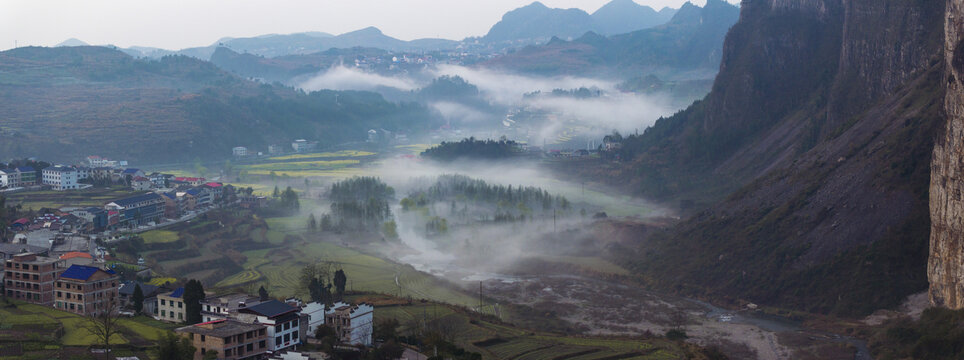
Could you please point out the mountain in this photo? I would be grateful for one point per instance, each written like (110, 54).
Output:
(72, 42)
(313, 42)
(284, 68)
(623, 16)
(689, 45)
(68, 102)
(804, 175)
(537, 22)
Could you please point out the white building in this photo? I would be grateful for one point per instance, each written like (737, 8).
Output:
(224, 306)
(352, 324)
(4, 179)
(302, 145)
(60, 177)
(316, 314)
(240, 151)
(282, 321)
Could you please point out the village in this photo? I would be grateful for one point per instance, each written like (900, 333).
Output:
(57, 258)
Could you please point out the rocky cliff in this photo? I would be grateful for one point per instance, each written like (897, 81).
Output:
(813, 153)
(945, 267)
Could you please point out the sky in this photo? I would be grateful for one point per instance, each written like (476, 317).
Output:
(178, 24)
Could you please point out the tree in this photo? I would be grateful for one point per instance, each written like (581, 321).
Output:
(276, 193)
(173, 347)
(340, 281)
(263, 294)
(138, 298)
(104, 324)
(193, 294)
(312, 223)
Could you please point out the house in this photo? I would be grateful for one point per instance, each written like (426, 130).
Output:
(140, 183)
(138, 209)
(171, 306)
(29, 277)
(95, 217)
(83, 172)
(352, 324)
(253, 201)
(240, 151)
(216, 190)
(28, 176)
(224, 306)
(227, 339)
(9, 250)
(86, 290)
(150, 292)
(201, 195)
(172, 205)
(60, 177)
(302, 145)
(132, 173)
(316, 314)
(275, 150)
(193, 181)
(21, 224)
(281, 319)
(160, 180)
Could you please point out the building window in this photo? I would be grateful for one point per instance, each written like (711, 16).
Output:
(277, 328)
(164, 313)
(250, 347)
(261, 344)
(180, 304)
(287, 337)
(277, 341)
(287, 325)
(294, 335)
(163, 302)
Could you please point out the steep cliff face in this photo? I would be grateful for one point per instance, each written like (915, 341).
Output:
(945, 267)
(818, 137)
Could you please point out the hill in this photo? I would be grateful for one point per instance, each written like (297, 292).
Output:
(68, 102)
(689, 46)
(313, 42)
(810, 159)
(623, 16)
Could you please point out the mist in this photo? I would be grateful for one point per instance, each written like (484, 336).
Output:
(341, 77)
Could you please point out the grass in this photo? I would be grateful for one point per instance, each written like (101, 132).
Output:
(503, 341)
(159, 236)
(343, 153)
(38, 323)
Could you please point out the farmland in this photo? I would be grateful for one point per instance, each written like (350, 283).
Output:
(57, 199)
(495, 340)
(34, 331)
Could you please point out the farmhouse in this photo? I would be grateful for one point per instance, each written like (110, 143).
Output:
(60, 177)
(86, 290)
(352, 324)
(224, 306)
(171, 306)
(282, 321)
(227, 339)
(31, 278)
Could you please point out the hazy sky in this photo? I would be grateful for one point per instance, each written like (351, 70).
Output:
(177, 24)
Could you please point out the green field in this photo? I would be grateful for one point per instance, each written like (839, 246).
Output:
(159, 236)
(502, 341)
(57, 199)
(343, 153)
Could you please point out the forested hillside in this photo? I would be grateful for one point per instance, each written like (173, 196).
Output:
(69, 102)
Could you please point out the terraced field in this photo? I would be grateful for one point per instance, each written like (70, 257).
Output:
(57, 199)
(499, 341)
(335, 154)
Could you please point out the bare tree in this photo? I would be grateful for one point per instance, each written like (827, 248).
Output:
(105, 323)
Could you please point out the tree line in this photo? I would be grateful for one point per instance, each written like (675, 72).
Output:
(472, 148)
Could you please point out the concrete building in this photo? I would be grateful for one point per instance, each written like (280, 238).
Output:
(223, 306)
(140, 183)
(150, 292)
(28, 176)
(86, 290)
(9, 250)
(275, 150)
(240, 151)
(282, 321)
(302, 145)
(4, 179)
(60, 177)
(228, 339)
(29, 277)
(353, 324)
(138, 209)
(170, 306)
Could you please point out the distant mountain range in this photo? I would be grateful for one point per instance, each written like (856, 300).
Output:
(537, 21)
(64, 103)
(688, 46)
(532, 23)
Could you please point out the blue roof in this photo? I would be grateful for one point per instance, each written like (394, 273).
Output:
(176, 293)
(79, 272)
(26, 169)
(136, 199)
(131, 171)
(194, 191)
(171, 196)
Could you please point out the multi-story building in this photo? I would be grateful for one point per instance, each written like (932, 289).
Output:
(83, 172)
(302, 145)
(4, 179)
(240, 151)
(353, 324)
(275, 150)
(86, 290)
(138, 209)
(9, 250)
(28, 176)
(31, 278)
(282, 320)
(223, 306)
(170, 306)
(228, 339)
(140, 183)
(60, 177)
(150, 292)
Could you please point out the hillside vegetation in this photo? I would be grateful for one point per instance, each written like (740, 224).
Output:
(66, 103)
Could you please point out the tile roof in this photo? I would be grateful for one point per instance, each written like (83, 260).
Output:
(137, 198)
(220, 328)
(177, 293)
(75, 254)
(127, 288)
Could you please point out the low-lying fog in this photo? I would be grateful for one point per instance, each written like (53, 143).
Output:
(504, 93)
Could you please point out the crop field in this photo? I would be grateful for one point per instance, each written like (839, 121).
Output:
(159, 236)
(334, 172)
(414, 149)
(160, 281)
(335, 154)
(303, 165)
(499, 341)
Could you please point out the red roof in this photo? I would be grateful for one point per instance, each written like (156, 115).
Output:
(75, 254)
(22, 221)
(213, 184)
